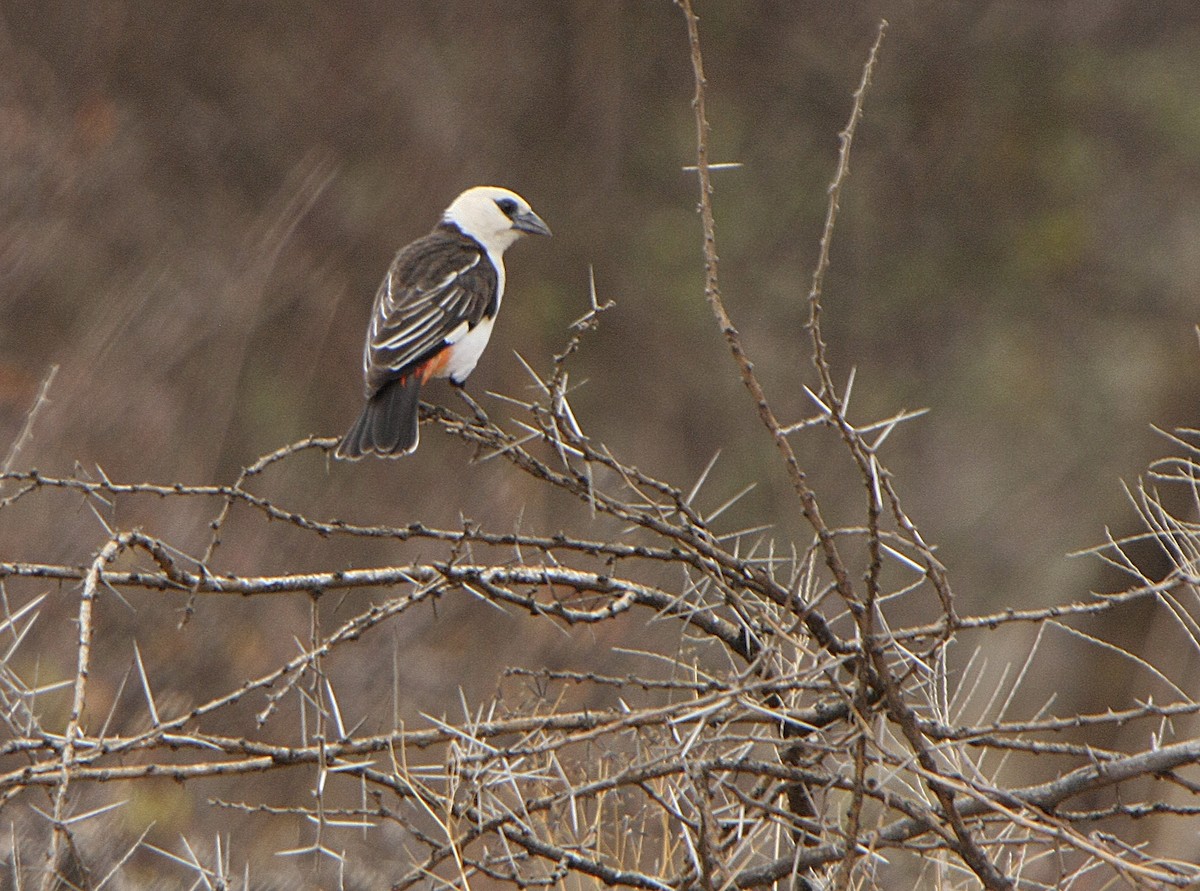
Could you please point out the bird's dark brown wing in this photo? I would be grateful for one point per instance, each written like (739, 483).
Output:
(435, 286)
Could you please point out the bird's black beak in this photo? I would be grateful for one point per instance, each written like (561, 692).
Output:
(531, 223)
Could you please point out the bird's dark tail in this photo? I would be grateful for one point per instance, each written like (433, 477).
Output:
(388, 424)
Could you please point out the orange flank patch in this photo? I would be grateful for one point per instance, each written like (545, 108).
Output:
(435, 367)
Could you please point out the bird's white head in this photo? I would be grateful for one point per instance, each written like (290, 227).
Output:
(494, 217)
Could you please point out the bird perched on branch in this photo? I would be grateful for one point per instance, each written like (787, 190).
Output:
(434, 313)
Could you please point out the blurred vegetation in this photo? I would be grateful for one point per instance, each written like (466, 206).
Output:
(197, 200)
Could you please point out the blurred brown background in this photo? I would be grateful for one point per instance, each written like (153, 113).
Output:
(197, 201)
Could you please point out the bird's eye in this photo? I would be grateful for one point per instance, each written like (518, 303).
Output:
(507, 206)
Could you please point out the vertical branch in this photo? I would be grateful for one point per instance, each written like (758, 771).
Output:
(968, 848)
(853, 831)
(39, 402)
(876, 479)
(845, 140)
(712, 291)
(60, 841)
(867, 465)
(319, 706)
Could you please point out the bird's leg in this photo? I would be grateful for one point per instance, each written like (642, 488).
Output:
(481, 417)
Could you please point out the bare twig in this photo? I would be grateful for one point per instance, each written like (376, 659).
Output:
(26, 434)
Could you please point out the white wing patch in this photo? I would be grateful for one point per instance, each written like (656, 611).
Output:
(470, 346)
(458, 333)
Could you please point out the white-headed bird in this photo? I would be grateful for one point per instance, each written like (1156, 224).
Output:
(434, 313)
